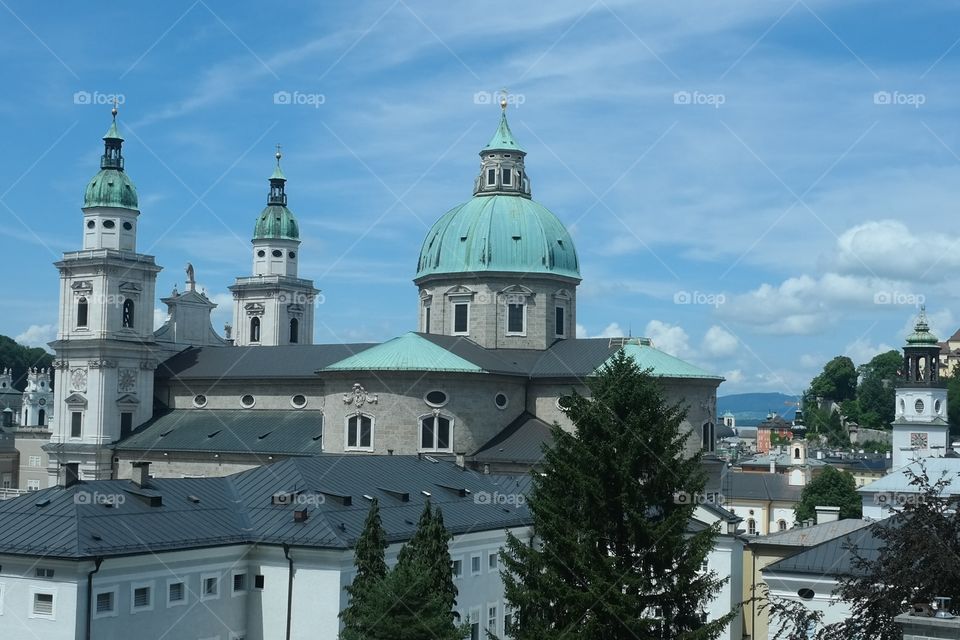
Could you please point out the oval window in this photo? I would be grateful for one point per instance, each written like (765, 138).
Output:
(261, 253)
(936, 406)
(109, 224)
(501, 400)
(127, 226)
(199, 400)
(918, 406)
(806, 594)
(564, 402)
(277, 253)
(298, 401)
(292, 255)
(435, 398)
(247, 401)
(91, 224)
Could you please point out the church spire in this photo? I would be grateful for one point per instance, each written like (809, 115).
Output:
(501, 163)
(112, 157)
(503, 138)
(277, 184)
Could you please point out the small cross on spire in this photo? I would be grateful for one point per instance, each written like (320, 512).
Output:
(279, 155)
(116, 103)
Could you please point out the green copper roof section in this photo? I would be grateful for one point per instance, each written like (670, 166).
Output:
(111, 188)
(409, 352)
(276, 222)
(663, 364)
(113, 133)
(277, 173)
(499, 233)
(503, 137)
(921, 332)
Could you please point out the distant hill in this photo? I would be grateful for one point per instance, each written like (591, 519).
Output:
(751, 408)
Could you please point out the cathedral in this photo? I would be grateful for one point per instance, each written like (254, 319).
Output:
(480, 380)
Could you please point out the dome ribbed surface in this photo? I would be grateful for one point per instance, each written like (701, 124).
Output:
(276, 222)
(111, 188)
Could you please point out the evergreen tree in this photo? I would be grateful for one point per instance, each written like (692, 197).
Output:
(832, 488)
(614, 558)
(371, 571)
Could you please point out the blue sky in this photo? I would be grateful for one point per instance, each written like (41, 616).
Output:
(757, 186)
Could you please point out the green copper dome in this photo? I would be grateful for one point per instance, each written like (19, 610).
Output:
(111, 188)
(493, 233)
(276, 222)
(921, 332)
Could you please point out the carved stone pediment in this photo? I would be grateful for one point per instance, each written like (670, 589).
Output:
(358, 397)
(127, 399)
(254, 309)
(75, 400)
(82, 286)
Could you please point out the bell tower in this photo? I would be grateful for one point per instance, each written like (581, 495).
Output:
(920, 429)
(274, 306)
(105, 351)
(37, 399)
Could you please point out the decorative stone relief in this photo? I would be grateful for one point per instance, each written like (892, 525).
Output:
(359, 397)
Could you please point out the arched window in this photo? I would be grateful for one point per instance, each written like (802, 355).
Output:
(359, 434)
(254, 329)
(782, 525)
(436, 433)
(294, 331)
(42, 418)
(82, 308)
(752, 527)
(706, 437)
(796, 453)
(128, 313)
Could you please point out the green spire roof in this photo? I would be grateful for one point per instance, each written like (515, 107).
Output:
(409, 352)
(113, 133)
(921, 331)
(111, 187)
(503, 137)
(276, 221)
(663, 364)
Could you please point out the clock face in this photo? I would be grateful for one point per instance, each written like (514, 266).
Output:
(127, 380)
(42, 401)
(918, 440)
(78, 379)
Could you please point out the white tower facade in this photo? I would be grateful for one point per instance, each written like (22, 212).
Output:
(920, 429)
(105, 353)
(274, 306)
(37, 399)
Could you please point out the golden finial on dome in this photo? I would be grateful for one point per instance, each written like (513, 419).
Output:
(278, 154)
(503, 99)
(113, 111)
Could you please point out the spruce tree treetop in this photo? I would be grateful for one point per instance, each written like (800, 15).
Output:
(611, 505)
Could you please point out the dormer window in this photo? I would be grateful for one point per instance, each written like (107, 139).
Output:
(505, 177)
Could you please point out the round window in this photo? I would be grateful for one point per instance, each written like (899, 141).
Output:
(91, 224)
(936, 406)
(261, 253)
(109, 224)
(436, 398)
(918, 406)
(247, 401)
(292, 255)
(127, 226)
(200, 400)
(298, 401)
(277, 253)
(806, 594)
(564, 402)
(501, 400)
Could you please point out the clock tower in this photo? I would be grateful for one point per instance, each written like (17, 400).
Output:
(920, 429)
(105, 351)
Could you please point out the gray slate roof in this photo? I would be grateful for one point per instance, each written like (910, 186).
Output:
(759, 486)
(813, 535)
(238, 509)
(522, 441)
(286, 432)
(833, 557)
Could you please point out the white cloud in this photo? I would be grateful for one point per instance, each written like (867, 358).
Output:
(719, 343)
(733, 377)
(38, 335)
(861, 351)
(669, 338)
(888, 248)
(612, 330)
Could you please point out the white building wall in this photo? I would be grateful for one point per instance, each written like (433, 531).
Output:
(787, 586)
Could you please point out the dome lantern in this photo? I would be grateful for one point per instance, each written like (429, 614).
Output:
(501, 163)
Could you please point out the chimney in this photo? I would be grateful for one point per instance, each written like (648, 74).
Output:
(827, 514)
(819, 455)
(69, 474)
(141, 474)
(461, 460)
(773, 465)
